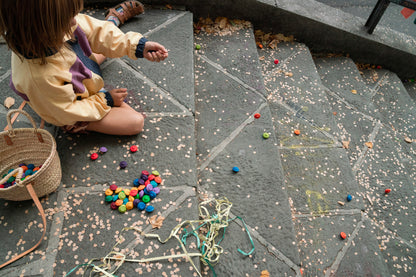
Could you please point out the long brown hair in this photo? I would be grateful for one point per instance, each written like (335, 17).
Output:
(36, 28)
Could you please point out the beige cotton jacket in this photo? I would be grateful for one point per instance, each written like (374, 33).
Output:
(66, 89)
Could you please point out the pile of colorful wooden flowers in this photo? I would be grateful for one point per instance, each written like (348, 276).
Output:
(144, 191)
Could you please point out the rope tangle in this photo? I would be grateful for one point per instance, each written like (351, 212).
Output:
(207, 230)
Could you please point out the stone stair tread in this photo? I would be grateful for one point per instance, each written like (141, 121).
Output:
(400, 113)
(220, 106)
(174, 74)
(341, 76)
(372, 166)
(311, 234)
(228, 135)
(85, 226)
(235, 53)
(376, 175)
(293, 57)
(355, 127)
(225, 98)
(143, 94)
(411, 89)
(28, 232)
(93, 245)
(270, 204)
(283, 51)
(286, 122)
(364, 243)
(232, 263)
(372, 76)
(307, 181)
(296, 96)
(172, 157)
(290, 191)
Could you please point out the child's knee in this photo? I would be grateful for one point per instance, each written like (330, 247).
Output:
(137, 124)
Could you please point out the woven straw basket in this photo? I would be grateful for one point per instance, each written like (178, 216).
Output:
(28, 145)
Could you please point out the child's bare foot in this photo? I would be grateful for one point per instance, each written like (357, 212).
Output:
(124, 11)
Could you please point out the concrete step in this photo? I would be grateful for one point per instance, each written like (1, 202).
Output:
(229, 91)
(397, 107)
(296, 98)
(330, 26)
(387, 162)
(289, 188)
(393, 161)
(362, 9)
(411, 89)
(81, 226)
(399, 115)
(341, 76)
(314, 161)
(350, 101)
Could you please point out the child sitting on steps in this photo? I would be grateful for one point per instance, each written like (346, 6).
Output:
(55, 62)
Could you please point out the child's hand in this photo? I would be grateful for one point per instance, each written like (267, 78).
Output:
(118, 94)
(154, 51)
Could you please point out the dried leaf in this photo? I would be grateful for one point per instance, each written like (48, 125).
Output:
(266, 37)
(273, 44)
(222, 26)
(261, 58)
(258, 33)
(208, 21)
(345, 144)
(369, 144)
(222, 22)
(9, 102)
(408, 140)
(156, 221)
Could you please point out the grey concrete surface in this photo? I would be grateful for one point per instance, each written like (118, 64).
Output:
(294, 95)
(81, 226)
(291, 190)
(392, 17)
(411, 88)
(338, 24)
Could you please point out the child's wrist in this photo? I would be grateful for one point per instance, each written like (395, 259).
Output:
(109, 98)
(140, 47)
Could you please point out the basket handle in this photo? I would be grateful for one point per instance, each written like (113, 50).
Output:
(10, 129)
(9, 119)
(19, 172)
(35, 198)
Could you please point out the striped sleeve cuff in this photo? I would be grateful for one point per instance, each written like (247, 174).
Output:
(109, 98)
(140, 47)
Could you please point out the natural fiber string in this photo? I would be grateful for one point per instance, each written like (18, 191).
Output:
(210, 251)
(87, 265)
(18, 171)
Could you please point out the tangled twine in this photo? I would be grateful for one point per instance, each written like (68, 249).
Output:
(209, 249)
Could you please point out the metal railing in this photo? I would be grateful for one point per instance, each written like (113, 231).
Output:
(381, 7)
